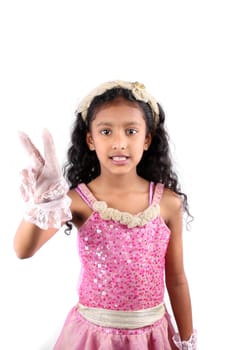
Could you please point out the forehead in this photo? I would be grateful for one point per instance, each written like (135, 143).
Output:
(119, 110)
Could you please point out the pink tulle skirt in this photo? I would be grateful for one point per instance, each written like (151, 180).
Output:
(79, 334)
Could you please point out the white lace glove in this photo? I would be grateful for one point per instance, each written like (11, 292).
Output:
(43, 187)
(190, 344)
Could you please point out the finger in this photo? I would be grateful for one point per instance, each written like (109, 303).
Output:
(49, 148)
(30, 148)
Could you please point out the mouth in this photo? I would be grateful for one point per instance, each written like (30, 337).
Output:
(119, 158)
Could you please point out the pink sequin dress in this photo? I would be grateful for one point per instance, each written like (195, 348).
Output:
(122, 269)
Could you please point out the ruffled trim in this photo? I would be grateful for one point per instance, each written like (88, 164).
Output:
(190, 344)
(126, 218)
(49, 214)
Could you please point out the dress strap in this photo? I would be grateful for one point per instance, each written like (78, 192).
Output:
(86, 194)
(158, 192)
(151, 192)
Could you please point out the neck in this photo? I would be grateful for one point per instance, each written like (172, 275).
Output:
(119, 182)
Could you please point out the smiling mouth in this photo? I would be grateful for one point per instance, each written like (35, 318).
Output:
(119, 158)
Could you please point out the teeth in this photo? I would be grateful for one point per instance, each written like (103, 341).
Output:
(118, 158)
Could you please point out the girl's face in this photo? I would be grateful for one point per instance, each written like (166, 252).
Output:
(118, 136)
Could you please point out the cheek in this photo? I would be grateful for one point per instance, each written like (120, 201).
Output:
(139, 149)
(97, 142)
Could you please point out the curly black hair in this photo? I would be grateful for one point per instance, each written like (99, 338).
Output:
(156, 164)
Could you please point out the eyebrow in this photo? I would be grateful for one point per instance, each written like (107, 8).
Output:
(133, 123)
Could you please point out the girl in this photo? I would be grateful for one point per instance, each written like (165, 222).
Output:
(125, 200)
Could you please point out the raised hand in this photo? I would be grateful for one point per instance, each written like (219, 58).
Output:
(43, 183)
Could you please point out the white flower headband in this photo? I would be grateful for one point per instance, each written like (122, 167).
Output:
(138, 90)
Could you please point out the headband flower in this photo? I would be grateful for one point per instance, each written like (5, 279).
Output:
(138, 90)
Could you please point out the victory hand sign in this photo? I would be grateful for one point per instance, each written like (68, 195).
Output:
(43, 187)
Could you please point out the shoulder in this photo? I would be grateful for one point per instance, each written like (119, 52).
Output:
(80, 210)
(170, 205)
(171, 199)
(75, 197)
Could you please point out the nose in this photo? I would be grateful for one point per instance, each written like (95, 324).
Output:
(119, 142)
(115, 147)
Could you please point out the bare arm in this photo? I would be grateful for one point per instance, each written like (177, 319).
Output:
(176, 280)
(29, 238)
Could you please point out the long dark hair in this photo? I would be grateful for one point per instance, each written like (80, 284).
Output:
(156, 164)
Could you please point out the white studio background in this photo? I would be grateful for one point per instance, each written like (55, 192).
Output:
(52, 54)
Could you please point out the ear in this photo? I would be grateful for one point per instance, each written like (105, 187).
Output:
(147, 142)
(90, 142)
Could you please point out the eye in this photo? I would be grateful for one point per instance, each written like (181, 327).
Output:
(131, 131)
(105, 132)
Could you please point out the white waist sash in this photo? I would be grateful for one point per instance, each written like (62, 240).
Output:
(122, 319)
